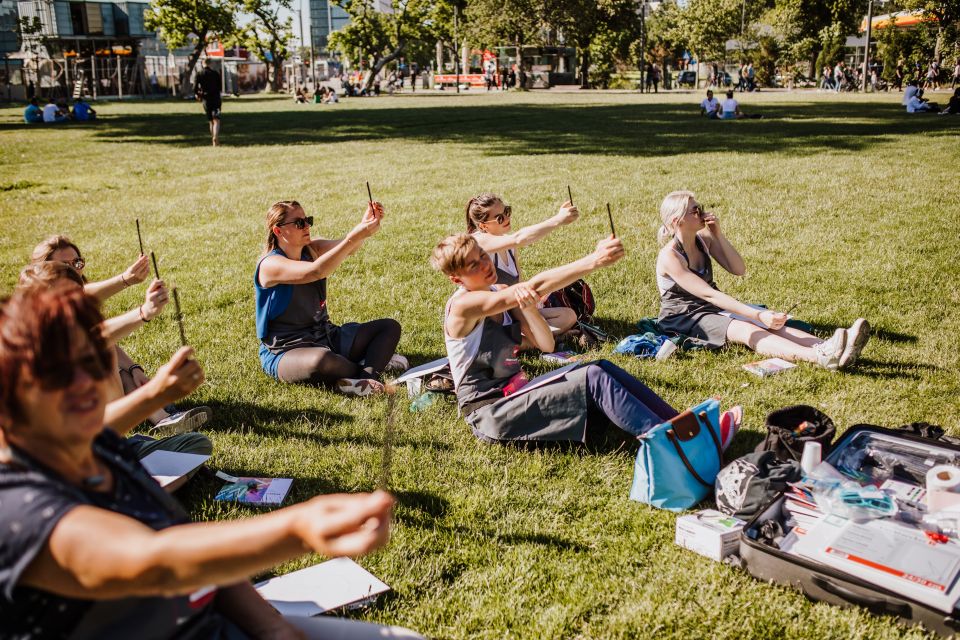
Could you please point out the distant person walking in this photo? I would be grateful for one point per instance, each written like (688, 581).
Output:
(956, 74)
(208, 91)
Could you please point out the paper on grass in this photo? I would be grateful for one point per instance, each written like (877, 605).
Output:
(423, 370)
(169, 466)
(320, 588)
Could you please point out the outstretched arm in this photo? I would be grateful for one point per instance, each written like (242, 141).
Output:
(134, 274)
(277, 269)
(528, 235)
(97, 554)
(470, 308)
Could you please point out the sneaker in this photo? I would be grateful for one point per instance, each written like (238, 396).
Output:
(398, 363)
(730, 423)
(857, 336)
(359, 387)
(828, 352)
(184, 421)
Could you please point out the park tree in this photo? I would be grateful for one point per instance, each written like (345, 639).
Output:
(179, 21)
(805, 27)
(269, 35)
(518, 22)
(705, 26)
(943, 17)
(374, 38)
(600, 29)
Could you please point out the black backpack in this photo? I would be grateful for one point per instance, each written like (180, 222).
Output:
(577, 296)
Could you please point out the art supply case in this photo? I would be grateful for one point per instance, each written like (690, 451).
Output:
(822, 583)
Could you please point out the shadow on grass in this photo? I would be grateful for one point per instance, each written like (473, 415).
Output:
(636, 130)
(876, 333)
(869, 368)
(231, 415)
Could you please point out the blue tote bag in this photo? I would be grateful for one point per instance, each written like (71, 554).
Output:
(679, 459)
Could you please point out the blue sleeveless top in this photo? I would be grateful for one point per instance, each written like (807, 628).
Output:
(270, 303)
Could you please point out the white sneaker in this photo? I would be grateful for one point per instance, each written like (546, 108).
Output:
(184, 421)
(397, 363)
(828, 352)
(359, 387)
(857, 336)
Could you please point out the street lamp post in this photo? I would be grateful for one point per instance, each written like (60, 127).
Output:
(456, 43)
(866, 50)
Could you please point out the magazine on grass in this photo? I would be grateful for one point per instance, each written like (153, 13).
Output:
(259, 491)
(769, 367)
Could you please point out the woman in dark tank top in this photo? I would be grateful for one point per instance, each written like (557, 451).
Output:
(489, 221)
(691, 304)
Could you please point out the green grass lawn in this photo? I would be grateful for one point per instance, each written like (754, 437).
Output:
(844, 204)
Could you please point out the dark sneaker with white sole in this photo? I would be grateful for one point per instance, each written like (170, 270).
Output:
(183, 421)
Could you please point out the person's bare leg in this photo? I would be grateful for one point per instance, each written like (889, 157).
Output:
(215, 131)
(797, 336)
(559, 319)
(766, 343)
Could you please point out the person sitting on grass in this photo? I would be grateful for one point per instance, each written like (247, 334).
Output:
(52, 113)
(83, 112)
(710, 106)
(488, 220)
(692, 305)
(126, 411)
(918, 104)
(92, 546)
(482, 329)
(298, 342)
(33, 114)
(59, 248)
(731, 108)
(953, 107)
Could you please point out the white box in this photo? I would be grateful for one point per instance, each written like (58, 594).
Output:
(709, 533)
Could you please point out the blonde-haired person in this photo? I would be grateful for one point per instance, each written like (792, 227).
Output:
(298, 342)
(489, 220)
(692, 305)
(482, 326)
(60, 248)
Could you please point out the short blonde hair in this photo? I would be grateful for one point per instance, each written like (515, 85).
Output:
(673, 207)
(44, 275)
(45, 250)
(451, 254)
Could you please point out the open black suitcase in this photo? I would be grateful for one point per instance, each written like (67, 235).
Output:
(819, 582)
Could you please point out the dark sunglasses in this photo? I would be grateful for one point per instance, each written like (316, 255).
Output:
(698, 211)
(77, 263)
(299, 223)
(57, 376)
(502, 217)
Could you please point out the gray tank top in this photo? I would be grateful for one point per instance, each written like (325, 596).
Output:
(504, 276)
(674, 299)
(305, 322)
(480, 376)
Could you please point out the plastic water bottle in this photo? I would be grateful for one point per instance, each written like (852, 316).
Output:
(425, 400)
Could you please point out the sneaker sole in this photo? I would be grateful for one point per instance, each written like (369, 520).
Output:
(852, 350)
(192, 420)
(353, 390)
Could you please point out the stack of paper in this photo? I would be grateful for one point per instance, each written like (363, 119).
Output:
(323, 587)
(168, 466)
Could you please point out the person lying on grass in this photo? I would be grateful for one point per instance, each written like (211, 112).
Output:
(692, 305)
(59, 248)
(489, 221)
(92, 547)
(482, 326)
(298, 342)
(125, 411)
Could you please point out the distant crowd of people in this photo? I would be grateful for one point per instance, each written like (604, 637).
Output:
(58, 111)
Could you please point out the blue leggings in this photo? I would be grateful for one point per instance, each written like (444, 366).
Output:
(624, 400)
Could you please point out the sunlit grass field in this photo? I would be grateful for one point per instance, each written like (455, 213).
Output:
(843, 204)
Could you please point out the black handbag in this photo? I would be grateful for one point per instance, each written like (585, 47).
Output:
(791, 428)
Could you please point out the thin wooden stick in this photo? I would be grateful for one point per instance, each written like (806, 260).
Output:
(569, 195)
(176, 307)
(139, 237)
(613, 231)
(386, 460)
(156, 272)
(369, 194)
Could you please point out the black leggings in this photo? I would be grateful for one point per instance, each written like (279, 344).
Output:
(375, 344)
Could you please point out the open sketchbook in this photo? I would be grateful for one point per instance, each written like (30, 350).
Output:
(169, 466)
(259, 491)
(323, 587)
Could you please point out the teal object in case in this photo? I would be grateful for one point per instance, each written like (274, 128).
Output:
(679, 460)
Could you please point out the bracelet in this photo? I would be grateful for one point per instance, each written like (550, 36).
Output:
(140, 311)
(132, 367)
(123, 280)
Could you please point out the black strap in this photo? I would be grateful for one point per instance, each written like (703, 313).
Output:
(683, 457)
(470, 407)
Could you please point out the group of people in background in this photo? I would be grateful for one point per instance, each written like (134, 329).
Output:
(58, 111)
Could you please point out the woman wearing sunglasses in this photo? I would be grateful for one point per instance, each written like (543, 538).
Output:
(489, 221)
(298, 342)
(92, 547)
(692, 305)
(60, 248)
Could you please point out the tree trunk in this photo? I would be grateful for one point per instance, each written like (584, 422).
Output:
(276, 82)
(186, 87)
(585, 67)
(521, 72)
(381, 63)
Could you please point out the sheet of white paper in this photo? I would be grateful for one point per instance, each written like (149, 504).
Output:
(423, 370)
(277, 490)
(167, 466)
(322, 587)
